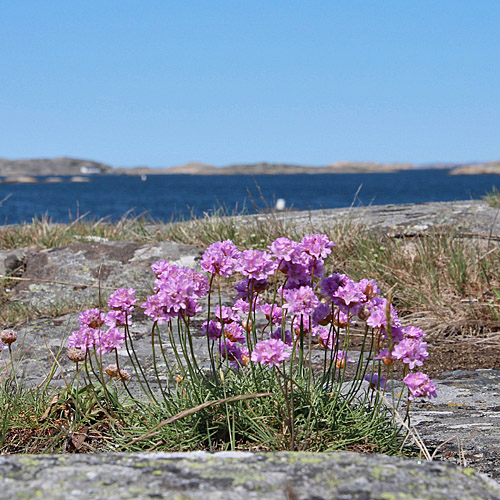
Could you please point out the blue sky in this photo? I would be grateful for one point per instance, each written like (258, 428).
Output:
(161, 83)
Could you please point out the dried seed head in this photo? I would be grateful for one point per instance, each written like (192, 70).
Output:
(363, 313)
(8, 336)
(111, 370)
(124, 374)
(339, 322)
(76, 355)
(370, 292)
(340, 363)
(325, 321)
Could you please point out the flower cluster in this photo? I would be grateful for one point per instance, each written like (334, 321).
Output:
(177, 291)
(103, 331)
(220, 258)
(306, 301)
(287, 287)
(271, 352)
(420, 385)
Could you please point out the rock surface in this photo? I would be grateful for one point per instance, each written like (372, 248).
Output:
(49, 276)
(244, 475)
(473, 216)
(463, 422)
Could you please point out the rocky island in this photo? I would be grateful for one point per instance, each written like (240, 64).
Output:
(27, 170)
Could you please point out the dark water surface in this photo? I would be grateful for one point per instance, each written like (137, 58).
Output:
(164, 197)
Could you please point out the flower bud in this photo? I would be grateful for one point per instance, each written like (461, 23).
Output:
(8, 336)
(76, 355)
(247, 325)
(370, 292)
(339, 322)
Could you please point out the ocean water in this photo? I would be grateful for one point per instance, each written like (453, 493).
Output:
(168, 197)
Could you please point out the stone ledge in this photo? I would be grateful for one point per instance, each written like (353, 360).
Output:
(240, 475)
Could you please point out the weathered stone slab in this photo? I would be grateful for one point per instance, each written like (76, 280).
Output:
(475, 216)
(75, 272)
(242, 475)
(464, 420)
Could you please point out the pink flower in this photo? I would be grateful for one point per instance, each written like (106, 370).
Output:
(162, 267)
(271, 352)
(234, 352)
(349, 294)
(122, 299)
(214, 329)
(176, 292)
(322, 314)
(256, 264)
(118, 318)
(241, 307)
(220, 258)
(420, 385)
(326, 337)
(272, 312)
(92, 318)
(107, 340)
(330, 284)
(225, 314)
(413, 332)
(83, 339)
(284, 249)
(377, 308)
(234, 332)
(411, 351)
(317, 245)
(300, 300)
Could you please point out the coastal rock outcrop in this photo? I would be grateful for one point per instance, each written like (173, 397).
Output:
(241, 475)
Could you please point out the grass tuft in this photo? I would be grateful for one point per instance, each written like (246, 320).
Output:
(492, 198)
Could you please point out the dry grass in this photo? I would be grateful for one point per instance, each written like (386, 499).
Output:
(493, 198)
(43, 233)
(446, 279)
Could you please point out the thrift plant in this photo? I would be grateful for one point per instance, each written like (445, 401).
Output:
(281, 370)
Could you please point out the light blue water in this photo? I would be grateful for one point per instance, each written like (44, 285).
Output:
(164, 197)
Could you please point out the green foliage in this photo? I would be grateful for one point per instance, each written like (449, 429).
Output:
(322, 422)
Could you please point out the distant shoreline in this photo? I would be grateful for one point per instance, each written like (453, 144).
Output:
(23, 170)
